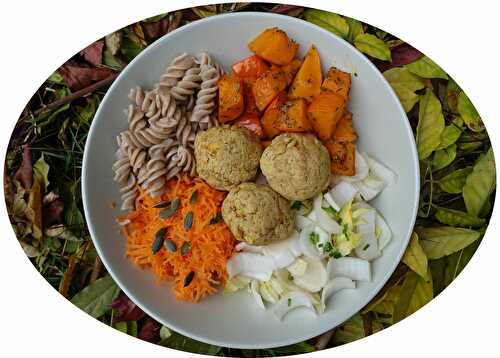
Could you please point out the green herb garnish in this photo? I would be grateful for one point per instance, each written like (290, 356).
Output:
(296, 205)
(188, 221)
(289, 302)
(158, 241)
(188, 278)
(337, 255)
(193, 197)
(184, 248)
(314, 238)
(366, 246)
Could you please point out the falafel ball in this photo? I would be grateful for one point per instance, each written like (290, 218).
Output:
(257, 214)
(227, 156)
(297, 166)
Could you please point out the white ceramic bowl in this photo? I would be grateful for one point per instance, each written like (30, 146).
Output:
(236, 321)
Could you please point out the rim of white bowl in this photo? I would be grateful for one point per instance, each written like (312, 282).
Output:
(291, 340)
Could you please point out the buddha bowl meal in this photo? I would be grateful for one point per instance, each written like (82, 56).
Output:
(251, 179)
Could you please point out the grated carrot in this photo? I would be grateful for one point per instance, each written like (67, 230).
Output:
(210, 245)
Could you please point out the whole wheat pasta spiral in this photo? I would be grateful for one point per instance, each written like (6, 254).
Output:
(175, 71)
(185, 133)
(162, 125)
(205, 101)
(185, 160)
(187, 85)
(156, 167)
(125, 179)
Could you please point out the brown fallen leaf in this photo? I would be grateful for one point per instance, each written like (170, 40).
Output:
(93, 53)
(25, 172)
(114, 42)
(154, 30)
(34, 210)
(79, 76)
(291, 10)
(52, 213)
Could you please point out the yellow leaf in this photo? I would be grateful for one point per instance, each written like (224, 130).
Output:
(415, 293)
(414, 256)
(140, 33)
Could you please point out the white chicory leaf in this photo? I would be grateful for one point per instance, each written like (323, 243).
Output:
(351, 267)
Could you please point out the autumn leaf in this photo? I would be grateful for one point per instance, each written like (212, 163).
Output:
(414, 256)
(93, 53)
(25, 172)
(78, 76)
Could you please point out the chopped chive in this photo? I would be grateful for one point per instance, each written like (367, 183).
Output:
(366, 246)
(171, 210)
(289, 302)
(188, 278)
(296, 205)
(314, 238)
(188, 221)
(193, 197)
(216, 219)
(162, 204)
(158, 241)
(337, 255)
(170, 245)
(184, 248)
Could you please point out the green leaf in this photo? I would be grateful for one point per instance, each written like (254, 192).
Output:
(56, 78)
(355, 29)
(302, 347)
(165, 332)
(454, 182)
(457, 218)
(425, 67)
(373, 46)
(451, 133)
(445, 240)
(131, 45)
(182, 343)
(86, 113)
(329, 21)
(121, 326)
(468, 147)
(112, 61)
(41, 170)
(414, 257)
(480, 183)
(404, 84)
(456, 262)
(416, 292)
(444, 157)
(430, 124)
(437, 268)
(71, 197)
(469, 113)
(96, 297)
(132, 328)
(353, 329)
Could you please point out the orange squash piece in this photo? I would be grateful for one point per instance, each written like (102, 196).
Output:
(324, 113)
(250, 105)
(342, 157)
(307, 82)
(252, 66)
(294, 118)
(231, 98)
(290, 70)
(338, 82)
(273, 45)
(267, 87)
(272, 114)
(345, 131)
(251, 122)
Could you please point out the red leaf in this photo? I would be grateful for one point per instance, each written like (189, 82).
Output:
(25, 172)
(93, 53)
(402, 54)
(79, 76)
(52, 213)
(285, 9)
(126, 309)
(150, 330)
(156, 29)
